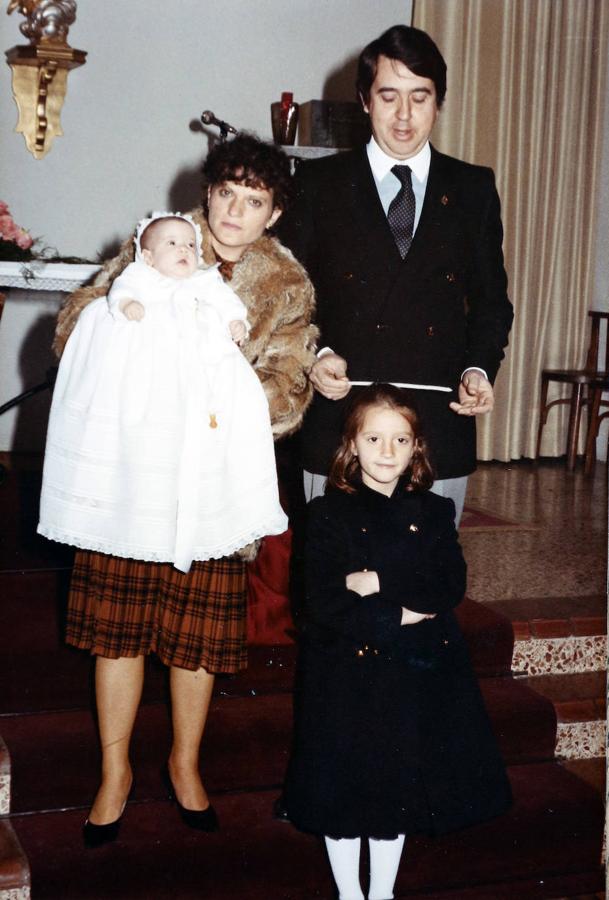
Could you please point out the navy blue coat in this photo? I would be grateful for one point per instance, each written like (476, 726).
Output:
(391, 735)
(421, 320)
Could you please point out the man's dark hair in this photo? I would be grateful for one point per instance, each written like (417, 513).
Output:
(410, 46)
(248, 160)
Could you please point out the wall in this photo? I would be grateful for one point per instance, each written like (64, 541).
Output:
(132, 141)
(132, 138)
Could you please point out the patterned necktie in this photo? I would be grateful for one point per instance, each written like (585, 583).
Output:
(401, 211)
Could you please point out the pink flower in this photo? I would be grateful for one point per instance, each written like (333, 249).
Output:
(3, 208)
(8, 229)
(24, 239)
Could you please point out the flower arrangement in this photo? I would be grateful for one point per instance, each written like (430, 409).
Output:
(15, 242)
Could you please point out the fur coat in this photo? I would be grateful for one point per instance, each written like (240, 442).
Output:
(280, 303)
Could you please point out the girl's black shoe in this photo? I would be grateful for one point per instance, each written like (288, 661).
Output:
(199, 819)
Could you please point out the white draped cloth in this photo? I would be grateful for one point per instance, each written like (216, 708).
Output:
(159, 445)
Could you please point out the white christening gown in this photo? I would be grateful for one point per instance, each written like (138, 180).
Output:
(159, 445)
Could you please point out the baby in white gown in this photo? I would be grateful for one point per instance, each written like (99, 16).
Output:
(159, 444)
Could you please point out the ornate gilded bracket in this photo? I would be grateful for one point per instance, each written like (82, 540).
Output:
(40, 71)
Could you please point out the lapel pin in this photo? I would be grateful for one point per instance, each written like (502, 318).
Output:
(444, 200)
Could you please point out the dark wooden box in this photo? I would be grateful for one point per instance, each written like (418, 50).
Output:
(332, 123)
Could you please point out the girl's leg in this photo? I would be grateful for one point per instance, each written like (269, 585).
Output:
(384, 864)
(344, 859)
(190, 698)
(118, 689)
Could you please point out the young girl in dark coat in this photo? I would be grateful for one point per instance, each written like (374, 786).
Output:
(391, 736)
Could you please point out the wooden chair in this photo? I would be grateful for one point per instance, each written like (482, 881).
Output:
(588, 385)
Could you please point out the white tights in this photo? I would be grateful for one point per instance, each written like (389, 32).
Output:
(384, 863)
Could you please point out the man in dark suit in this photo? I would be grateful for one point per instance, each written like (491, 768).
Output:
(407, 265)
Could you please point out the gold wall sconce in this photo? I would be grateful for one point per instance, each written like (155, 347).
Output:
(40, 70)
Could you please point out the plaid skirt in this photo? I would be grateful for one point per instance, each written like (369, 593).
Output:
(126, 607)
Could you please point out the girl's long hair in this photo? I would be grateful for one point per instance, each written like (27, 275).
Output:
(345, 473)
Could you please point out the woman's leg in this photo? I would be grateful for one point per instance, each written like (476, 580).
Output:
(384, 864)
(344, 859)
(118, 689)
(190, 698)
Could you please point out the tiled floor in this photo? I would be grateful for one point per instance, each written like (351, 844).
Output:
(551, 565)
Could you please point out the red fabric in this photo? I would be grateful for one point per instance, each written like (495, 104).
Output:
(269, 620)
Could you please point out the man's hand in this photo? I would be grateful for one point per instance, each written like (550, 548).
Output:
(329, 376)
(476, 395)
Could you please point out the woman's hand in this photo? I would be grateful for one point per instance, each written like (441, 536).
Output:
(413, 618)
(363, 583)
(329, 376)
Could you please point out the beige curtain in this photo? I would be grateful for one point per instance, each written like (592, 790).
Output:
(526, 81)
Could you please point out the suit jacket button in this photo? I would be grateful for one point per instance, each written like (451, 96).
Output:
(430, 331)
(348, 276)
(450, 276)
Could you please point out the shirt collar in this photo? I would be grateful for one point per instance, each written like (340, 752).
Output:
(381, 163)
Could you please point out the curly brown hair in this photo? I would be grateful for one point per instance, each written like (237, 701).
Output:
(248, 160)
(345, 472)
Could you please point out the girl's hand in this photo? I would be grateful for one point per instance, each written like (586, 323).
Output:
(413, 618)
(363, 583)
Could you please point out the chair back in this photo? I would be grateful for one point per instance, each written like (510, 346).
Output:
(598, 319)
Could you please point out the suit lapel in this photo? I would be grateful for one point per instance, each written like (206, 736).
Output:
(368, 214)
(436, 215)
(377, 255)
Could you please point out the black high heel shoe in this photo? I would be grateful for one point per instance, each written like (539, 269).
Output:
(97, 835)
(199, 819)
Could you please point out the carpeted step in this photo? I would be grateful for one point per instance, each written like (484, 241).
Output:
(31, 647)
(557, 635)
(14, 867)
(534, 851)
(580, 703)
(246, 745)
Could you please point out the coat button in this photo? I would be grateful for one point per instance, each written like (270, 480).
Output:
(348, 276)
(365, 530)
(450, 276)
(414, 528)
(444, 200)
(430, 331)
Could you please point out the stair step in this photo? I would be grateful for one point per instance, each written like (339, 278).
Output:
(556, 635)
(580, 704)
(593, 771)
(31, 646)
(14, 867)
(5, 779)
(532, 852)
(246, 744)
